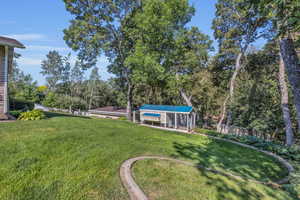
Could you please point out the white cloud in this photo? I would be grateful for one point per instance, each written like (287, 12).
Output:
(29, 61)
(45, 48)
(27, 37)
(8, 22)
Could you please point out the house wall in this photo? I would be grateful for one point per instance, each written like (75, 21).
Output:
(2, 78)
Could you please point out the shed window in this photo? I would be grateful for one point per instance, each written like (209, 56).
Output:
(151, 115)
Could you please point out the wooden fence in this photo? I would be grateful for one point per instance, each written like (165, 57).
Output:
(239, 131)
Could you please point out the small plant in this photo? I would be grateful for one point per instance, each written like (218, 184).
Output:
(15, 113)
(32, 115)
(123, 118)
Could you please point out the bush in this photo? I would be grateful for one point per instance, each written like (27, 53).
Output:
(123, 118)
(15, 113)
(50, 100)
(32, 115)
(53, 100)
(17, 104)
(292, 153)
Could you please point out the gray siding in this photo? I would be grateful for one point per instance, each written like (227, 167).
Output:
(2, 78)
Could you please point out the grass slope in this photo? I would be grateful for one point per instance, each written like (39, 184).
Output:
(67, 157)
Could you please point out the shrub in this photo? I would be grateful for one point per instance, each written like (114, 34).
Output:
(123, 118)
(50, 100)
(15, 113)
(17, 104)
(32, 115)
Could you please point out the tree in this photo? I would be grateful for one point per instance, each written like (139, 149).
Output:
(153, 29)
(285, 104)
(285, 16)
(21, 86)
(206, 96)
(291, 63)
(237, 24)
(191, 55)
(92, 83)
(98, 27)
(112, 26)
(257, 104)
(55, 69)
(76, 79)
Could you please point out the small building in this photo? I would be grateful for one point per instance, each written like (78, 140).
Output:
(178, 117)
(7, 46)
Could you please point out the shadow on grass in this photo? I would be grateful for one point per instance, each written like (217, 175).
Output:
(231, 159)
(36, 192)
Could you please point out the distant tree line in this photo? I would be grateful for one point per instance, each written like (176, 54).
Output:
(68, 88)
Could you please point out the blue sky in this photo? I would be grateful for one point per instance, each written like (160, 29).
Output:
(38, 24)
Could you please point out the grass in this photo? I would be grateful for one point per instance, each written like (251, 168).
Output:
(67, 157)
(165, 180)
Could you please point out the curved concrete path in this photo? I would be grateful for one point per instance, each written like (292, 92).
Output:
(136, 193)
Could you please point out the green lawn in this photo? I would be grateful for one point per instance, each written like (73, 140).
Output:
(165, 180)
(79, 158)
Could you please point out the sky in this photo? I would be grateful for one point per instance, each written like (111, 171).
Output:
(39, 25)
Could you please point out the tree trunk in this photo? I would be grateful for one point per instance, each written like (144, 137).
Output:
(289, 135)
(91, 98)
(291, 63)
(238, 67)
(183, 94)
(219, 126)
(186, 98)
(129, 102)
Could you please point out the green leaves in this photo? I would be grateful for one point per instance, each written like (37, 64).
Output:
(285, 14)
(32, 115)
(55, 68)
(237, 24)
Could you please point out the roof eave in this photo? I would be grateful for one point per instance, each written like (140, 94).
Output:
(21, 46)
(167, 111)
(10, 42)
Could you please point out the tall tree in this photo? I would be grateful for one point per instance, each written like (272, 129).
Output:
(190, 55)
(55, 69)
(92, 83)
(76, 79)
(21, 86)
(285, 16)
(154, 29)
(237, 24)
(285, 104)
(98, 27)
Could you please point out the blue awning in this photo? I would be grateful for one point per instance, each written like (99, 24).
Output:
(151, 115)
(181, 109)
